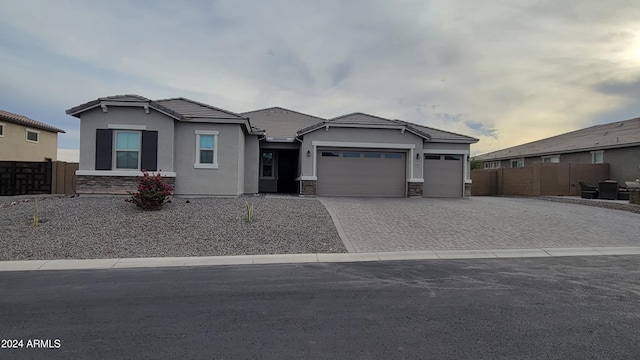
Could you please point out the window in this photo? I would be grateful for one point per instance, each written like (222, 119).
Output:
(266, 165)
(330, 153)
(554, 159)
(32, 135)
(453, 157)
(1, 130)
(431, 157)
(492, 165)
(393, 156)
(127, 150)
(597, 157)
(350, 154)
(206, 149)
(373, 155)
(517, 163)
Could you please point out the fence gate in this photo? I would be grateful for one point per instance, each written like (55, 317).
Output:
(25, 177)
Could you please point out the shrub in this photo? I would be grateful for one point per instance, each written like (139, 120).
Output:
(152, 192)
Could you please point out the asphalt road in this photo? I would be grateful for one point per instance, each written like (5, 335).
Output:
(552, 308)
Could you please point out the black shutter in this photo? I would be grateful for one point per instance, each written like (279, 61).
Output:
(104, 149)
(149, 159)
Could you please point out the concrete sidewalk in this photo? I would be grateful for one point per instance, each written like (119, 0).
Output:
(31, 265)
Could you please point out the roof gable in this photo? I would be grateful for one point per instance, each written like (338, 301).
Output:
(612, 135)
(23, 120)
(280, 123)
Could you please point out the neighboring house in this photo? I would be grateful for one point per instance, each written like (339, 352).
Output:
(204, 150)
(617, 144)
(25, 139)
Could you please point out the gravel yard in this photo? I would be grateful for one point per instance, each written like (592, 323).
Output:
(88, 227)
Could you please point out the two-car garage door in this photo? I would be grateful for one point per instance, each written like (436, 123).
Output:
(361, 173)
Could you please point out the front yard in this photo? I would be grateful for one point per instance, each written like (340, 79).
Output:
(89, 227)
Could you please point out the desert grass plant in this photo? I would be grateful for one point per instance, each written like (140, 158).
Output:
(249, 211)
(36, 219)
(152, 193)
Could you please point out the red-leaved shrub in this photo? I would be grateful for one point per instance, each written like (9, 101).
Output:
(152, 192)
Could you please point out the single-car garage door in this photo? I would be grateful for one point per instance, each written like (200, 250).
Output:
(361, 173)
(443, 175)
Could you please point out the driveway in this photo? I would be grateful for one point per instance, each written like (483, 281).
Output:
(477, 223)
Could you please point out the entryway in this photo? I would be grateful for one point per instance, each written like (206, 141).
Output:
(278, 171)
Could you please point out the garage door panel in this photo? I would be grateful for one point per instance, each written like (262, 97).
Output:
(361, 173)
(443, 175)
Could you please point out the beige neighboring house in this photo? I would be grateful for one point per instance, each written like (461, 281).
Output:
(25, 139)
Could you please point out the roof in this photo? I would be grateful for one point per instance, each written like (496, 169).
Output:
(613, 135)
(362, 119)
(23, 120)
(280, 123)
(93, 103)
(189, 109)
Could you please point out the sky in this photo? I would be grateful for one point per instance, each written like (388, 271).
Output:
(504, 71)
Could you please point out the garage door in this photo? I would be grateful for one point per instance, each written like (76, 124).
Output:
(443, 175)
(361, 173)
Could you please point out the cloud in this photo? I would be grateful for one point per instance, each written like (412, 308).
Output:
(518, 70)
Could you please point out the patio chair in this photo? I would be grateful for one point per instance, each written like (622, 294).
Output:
(588, 192)
(608, 190)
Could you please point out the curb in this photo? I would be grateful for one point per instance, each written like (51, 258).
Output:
(129, 263)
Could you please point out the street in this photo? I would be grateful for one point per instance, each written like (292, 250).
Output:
(558, 308)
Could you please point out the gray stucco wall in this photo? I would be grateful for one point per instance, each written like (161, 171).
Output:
(362, 135)
(97, 119)
(226, 178)
(445, 146)
(251, 164)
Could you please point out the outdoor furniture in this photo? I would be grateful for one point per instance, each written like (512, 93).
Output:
(608, 190)
(588, 192)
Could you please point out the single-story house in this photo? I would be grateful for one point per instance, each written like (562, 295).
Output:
(25, 139)
(205, 150)
(617, 144)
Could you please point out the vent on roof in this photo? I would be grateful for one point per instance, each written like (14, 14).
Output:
(605, 133)
(620, 124)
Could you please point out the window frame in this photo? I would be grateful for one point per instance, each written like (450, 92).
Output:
(596, 153)
(550, 158)
(197, 164)
(519, 163)
(273, 164)
(114, 165)
(496, 164)
(26, 135)
(2, 128)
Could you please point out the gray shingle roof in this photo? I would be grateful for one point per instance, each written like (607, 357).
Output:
(190, 109)
(23, 120)
(280, 122)
(613, 135)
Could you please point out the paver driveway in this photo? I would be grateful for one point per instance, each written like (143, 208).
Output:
(477, 223)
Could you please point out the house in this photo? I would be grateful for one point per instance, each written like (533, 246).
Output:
(25, 139)
(205, 150)
(617, 144)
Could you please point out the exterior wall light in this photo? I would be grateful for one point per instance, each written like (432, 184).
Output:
(418, 156)
(308, 153)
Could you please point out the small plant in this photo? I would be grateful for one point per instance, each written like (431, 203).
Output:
(249, 211)
(36, 220)
(152, 192)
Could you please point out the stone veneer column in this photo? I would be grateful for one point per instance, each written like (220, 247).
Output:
(634, 196)
(308, 187)
(414, 189)
(467, 189)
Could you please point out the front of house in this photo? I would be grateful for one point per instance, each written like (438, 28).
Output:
(206, 151)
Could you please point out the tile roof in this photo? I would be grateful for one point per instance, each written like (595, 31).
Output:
(366, 119)
(23, 120)
(190, 109)
(280, 122)
(613, 135)
(96, 102)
